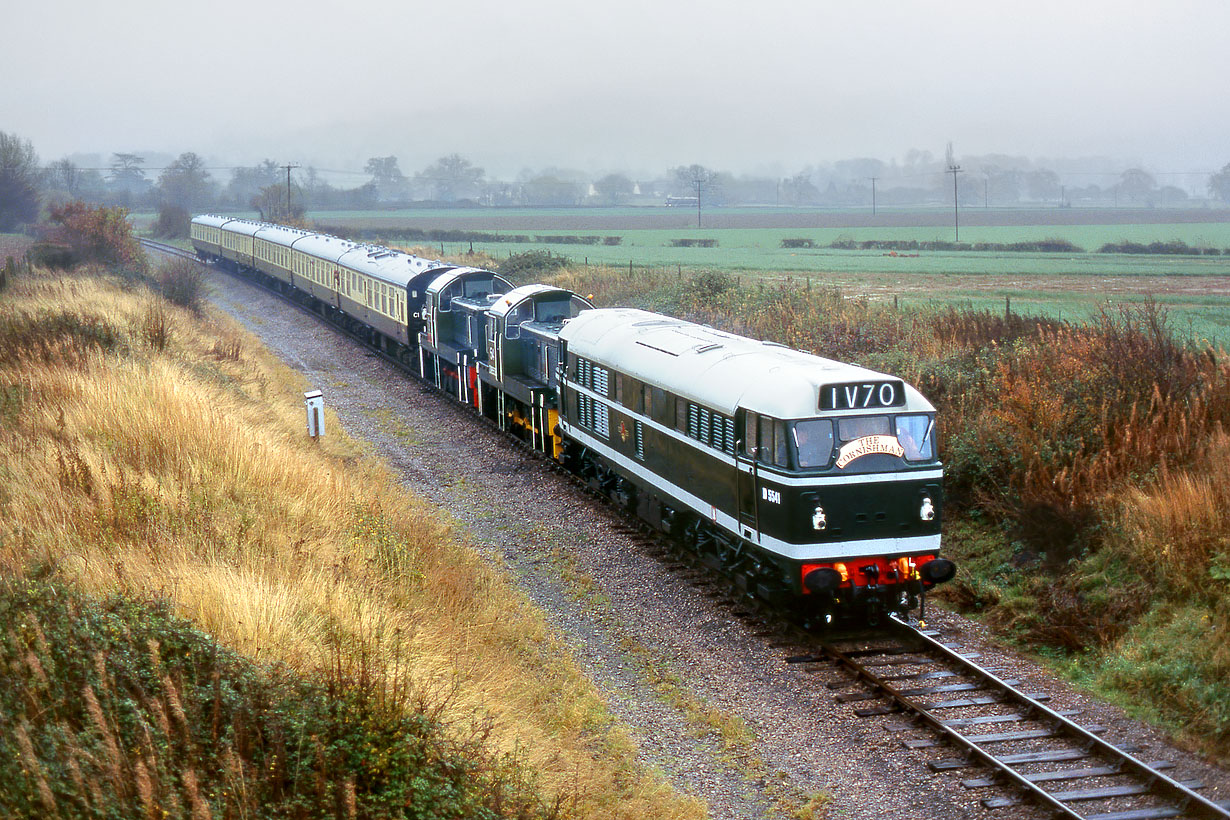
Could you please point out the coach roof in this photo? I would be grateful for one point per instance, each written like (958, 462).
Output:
(387, 264)
(713, 368)
(211, 220)
(280, 234)
(323, 246)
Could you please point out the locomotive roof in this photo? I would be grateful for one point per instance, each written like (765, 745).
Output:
(711, 367)
(518, 295)
(452, 274)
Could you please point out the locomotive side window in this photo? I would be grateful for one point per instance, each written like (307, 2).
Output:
(860, 426)
(914, 433)
(765, 451)
(773, 442)
(749, 434)
(813, 442)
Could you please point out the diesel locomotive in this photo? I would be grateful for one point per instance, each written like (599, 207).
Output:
(804, 481)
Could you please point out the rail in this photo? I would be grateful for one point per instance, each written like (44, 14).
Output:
(920, 649)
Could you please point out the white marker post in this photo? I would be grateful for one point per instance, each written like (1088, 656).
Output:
(314, 401)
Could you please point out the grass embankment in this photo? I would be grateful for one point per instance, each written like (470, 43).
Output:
(148, 454)
(1087, 471)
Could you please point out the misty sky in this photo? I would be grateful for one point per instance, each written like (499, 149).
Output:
(640, 85)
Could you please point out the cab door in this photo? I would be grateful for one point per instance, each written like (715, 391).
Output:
(747, 476)
(493, 347)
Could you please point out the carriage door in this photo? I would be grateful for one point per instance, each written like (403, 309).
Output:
(747, 476)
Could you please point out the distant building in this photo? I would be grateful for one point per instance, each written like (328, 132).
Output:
(681, 202)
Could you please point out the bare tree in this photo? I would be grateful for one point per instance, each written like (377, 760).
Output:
(19, 177)
(1138, 184)
(614, 188)
(451, 177)
(697, 181)
(1219, 184)
(186, 182)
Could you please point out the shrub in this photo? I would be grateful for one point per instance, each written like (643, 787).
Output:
(173, 222)
(799, 243)
(52, 255)
(694, 243)
(182, 282)
(54, 336)
(99, 234)
(532, 263)
(1174, 247)
(120, 709)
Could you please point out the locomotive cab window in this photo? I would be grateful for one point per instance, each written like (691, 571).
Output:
(849, 429)
(915, 433)
(447, 295)
(812, 440)
(523, 312)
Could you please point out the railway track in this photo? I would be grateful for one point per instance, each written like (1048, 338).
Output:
(169, 250)
(1026, 752)
(937, 695)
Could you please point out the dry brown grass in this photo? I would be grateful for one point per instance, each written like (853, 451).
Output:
(172, 467)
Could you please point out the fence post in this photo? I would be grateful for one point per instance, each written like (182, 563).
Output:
(1007, 307)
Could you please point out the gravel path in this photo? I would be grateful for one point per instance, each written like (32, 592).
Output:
(712, 703)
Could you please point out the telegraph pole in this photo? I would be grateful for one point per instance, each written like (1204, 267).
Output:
(288, 167)
(873, 194)
(956, 218)
(697, 183)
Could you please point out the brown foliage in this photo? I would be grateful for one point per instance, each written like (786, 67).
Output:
(99, 233)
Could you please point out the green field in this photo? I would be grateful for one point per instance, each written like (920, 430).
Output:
(1195, 289)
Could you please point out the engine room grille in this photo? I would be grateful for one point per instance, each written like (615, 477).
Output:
(714, 429)
(594, 415)
(593, 376)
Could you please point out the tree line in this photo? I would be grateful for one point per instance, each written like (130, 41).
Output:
(187, 184)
